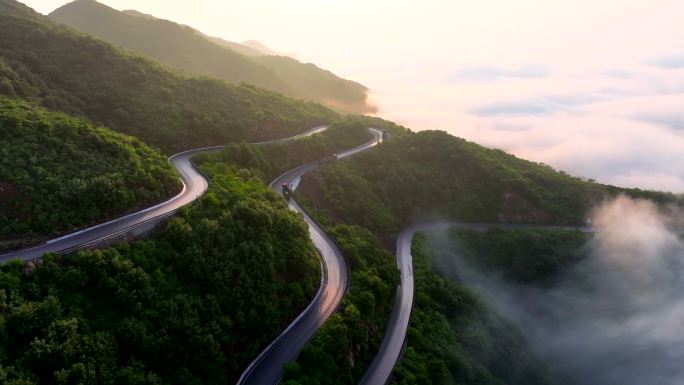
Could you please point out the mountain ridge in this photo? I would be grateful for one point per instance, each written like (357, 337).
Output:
(237, 47)
(190, 51)
(64, 70)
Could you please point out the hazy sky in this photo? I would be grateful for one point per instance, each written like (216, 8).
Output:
(593, 87)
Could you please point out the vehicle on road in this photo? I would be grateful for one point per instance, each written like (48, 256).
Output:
(287, 193)
(328, 159)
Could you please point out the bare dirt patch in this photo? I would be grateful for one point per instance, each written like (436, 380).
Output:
(517, 209)
(7, 192)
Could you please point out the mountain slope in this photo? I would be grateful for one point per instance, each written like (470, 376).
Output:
(70, 72)
(186, 49)
(433, 175)
(237, 47)
(193, 305)
(421, 176)
(314, 83)
(170, 43)
(14, 8)
(58, 174)
(262, 49)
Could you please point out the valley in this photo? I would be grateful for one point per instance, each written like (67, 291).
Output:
(177, 208)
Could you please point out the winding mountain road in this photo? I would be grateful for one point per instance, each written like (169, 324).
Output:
(194, 186)
(267, 368)
(392, 345)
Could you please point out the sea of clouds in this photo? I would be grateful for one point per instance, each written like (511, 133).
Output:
(617, 317)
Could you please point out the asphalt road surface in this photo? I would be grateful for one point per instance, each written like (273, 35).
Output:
(392, 345)
(267, 368)
(194, 186)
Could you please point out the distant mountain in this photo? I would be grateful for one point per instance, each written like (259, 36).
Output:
(15, 8)
(237, 47)
(186, 49)
(255, 45)
(133, 12)
(68, 71)
(319, 84)
(170, 43)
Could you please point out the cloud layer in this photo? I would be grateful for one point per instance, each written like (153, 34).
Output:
(622, 126)
(617, 317)
(669, 62)
(491, 74)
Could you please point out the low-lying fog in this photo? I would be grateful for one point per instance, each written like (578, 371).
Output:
(616, 318)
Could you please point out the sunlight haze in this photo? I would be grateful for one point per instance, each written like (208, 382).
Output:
(593, 88)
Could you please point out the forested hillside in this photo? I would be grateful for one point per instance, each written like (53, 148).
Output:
(192, 306)
(13, 7)
(70, 72)
(431, 174)
(271, 160)
(215, 284)
(188, 50)
(455, 338)
(58, 174)
(340, 352)
(523, 256)
(313, 83)
(170, 43)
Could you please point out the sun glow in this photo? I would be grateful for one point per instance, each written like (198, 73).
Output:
(507, 74)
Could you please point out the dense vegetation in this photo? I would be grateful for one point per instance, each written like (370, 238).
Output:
(346, 344)
(453, 338)
(14, 7)
(521, 255)
(271, 160)
(170, 43)
(186, 49)
(197, 302)
(313, 83)
(74, 73)
(432, 174)
(344, 347)
(194, 305)
(58, 173)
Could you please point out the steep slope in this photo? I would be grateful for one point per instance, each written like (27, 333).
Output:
(421, 176)
(186, 49)
(433, 175)
(15, 8)
(191, 306)
(58, 173)
(170, 43)
(262, 49)
(345, 346)
(456, 338)
(314, 83)
(133, 12)
(237, 47)
(68, 71)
